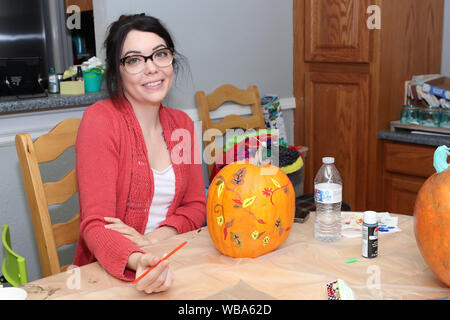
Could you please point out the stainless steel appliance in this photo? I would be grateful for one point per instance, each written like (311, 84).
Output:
(33, 38)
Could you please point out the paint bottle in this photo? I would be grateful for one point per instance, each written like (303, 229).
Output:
(370, 235)
(79, 74)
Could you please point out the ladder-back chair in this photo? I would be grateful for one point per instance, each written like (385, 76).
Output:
(41, 195)
(229, 93)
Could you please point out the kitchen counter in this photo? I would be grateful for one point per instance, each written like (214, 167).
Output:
(53, 101)
(424, 139)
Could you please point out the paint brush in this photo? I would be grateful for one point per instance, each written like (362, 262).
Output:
(167, 256)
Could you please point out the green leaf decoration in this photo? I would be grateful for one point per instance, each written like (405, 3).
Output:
(248, 202)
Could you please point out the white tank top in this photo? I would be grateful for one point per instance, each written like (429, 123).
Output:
(164, 182)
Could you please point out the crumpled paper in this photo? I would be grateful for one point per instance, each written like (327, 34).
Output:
(93, 62)
(352, 223)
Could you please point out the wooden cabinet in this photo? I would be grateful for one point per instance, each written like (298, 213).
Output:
(85, 5)
(335, 31)
(400, 193)
(338, 108)
(406, 167)
(349, 84)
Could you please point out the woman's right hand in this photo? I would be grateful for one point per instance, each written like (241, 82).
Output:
(158, 280)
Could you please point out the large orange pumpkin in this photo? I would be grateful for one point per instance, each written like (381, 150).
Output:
(250, 209)
(432, 223)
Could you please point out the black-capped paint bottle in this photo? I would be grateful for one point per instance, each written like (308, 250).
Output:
(79, 74)
(370, 235)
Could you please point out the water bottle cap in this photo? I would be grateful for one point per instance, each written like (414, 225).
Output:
(328, 160)
(370, 217)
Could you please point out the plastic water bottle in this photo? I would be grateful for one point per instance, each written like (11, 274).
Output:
(328, 200)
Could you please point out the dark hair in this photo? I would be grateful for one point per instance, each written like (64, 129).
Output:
(117, 32)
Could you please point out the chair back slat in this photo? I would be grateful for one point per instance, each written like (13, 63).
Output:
(229, 93)
(234, 121)
(62, 190)
(51, 145)
(67, 232)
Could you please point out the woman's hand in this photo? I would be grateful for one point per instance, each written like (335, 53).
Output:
(139, 239)
(158, 280)
(128, 232)
(160, 234)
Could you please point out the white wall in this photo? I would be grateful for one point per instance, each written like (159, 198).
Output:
(234, 41)
(446, 41)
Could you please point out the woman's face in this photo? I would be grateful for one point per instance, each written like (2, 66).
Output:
(153, 83)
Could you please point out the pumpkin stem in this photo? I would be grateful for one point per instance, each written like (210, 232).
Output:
(440, 159)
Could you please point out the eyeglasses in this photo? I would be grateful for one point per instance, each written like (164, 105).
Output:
(136, 63)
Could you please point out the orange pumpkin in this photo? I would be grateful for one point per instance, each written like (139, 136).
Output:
(250, 209)
(432, 223)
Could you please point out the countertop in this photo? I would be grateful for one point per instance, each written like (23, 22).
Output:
(425, 139)
(52, 101)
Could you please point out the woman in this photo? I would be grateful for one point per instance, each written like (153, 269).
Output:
(132, 192)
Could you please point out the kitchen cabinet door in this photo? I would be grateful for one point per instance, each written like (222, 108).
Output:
(406, 167)
(400, 193)
(409, 159)
(336, 114)
(336, 31)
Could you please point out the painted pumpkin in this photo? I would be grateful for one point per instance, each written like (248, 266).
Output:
(432, 218)
(250, 209)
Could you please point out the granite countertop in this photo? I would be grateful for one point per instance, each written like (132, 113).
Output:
(52, 101)
(430, 140)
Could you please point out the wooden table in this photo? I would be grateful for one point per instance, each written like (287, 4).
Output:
(299, 269)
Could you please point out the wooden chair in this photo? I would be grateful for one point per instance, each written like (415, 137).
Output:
(41, 195)
(229, 93)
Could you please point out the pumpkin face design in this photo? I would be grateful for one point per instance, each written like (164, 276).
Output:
(250, 209)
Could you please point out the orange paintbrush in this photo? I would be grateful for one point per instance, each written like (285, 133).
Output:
(167, 256)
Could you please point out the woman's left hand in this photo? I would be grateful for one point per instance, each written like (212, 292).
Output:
(160, 234)
(116, 224)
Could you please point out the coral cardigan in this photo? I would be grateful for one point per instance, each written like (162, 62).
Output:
(115, 180)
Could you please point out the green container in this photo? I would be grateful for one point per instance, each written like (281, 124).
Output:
(92, 81)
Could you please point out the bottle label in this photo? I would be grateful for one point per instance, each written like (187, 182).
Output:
(369, 241)
(328, 193)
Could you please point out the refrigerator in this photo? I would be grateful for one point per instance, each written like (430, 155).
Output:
(33, 38)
